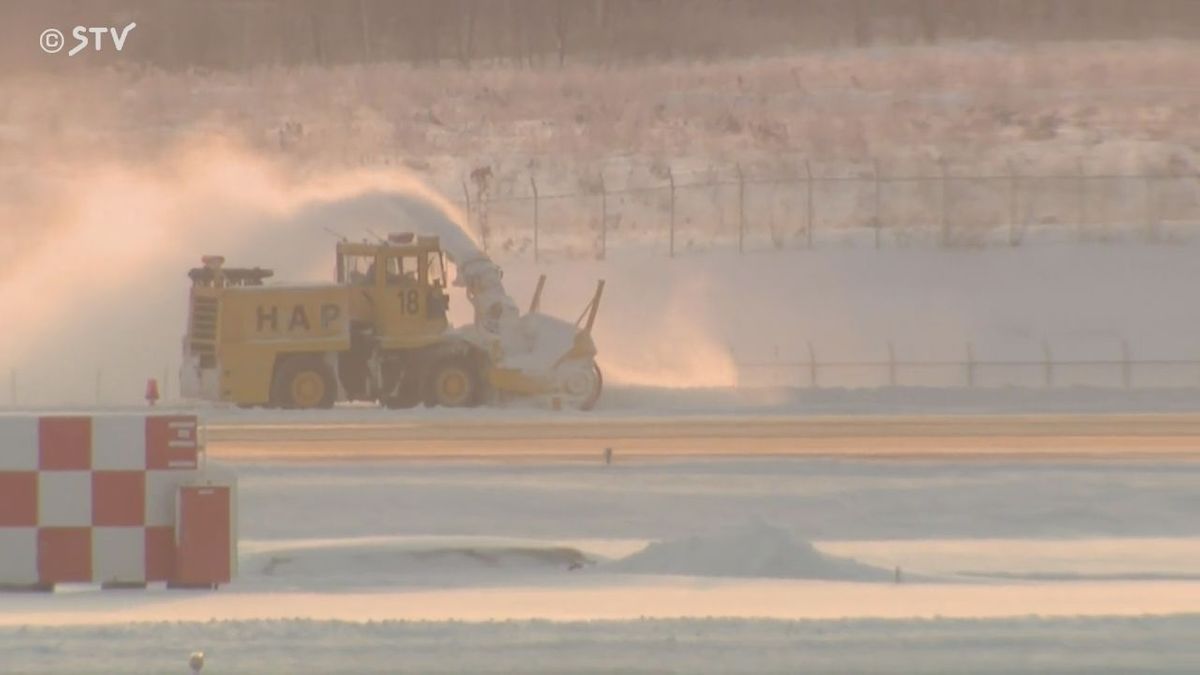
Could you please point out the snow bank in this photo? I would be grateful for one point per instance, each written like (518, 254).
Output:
(374, 561)
(758, 550)
(539, 342)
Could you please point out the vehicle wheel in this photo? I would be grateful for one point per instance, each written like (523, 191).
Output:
(580, 383)
(304, 384)
(453, 384)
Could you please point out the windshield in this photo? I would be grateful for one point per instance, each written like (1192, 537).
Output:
(358, 270)
(402, 270)
(437, 275)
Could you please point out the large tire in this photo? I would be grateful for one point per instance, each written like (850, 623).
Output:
(304, 383)
(453, 383)
(580, 384)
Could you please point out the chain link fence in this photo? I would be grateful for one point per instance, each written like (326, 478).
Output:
(800, 365)
(805, 366)
(806, 206)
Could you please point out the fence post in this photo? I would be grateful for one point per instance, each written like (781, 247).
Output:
(737, 370)
(1013, 209)
(891, 364)
(536, 228)
(970, 365)
(604, 218)
(467, 198)
(1082, 197)
(671, 234)
(945, 198)
(808, 204)
(877, 223)
(1126, 365)
(1150, 224)
(741, 210)
(1048, 363)
(812, 366)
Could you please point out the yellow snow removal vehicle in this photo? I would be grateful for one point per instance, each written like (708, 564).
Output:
(380, 333)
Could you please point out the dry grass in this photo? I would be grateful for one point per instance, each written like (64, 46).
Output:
(1118, 107)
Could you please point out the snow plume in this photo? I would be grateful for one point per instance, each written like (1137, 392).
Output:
(380, 210)
(666, 337)
(94, 297)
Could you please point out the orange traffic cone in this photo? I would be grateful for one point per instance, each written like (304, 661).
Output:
(151, 391)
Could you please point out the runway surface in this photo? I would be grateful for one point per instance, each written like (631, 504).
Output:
(1031, 437)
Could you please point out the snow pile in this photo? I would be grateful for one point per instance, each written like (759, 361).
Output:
(540, 341)
(373, 561)
(759, 550)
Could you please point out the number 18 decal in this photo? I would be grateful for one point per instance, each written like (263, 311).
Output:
(408, 302)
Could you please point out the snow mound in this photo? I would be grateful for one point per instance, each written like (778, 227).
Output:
(369, 562)
(759, 550)
(540, 341)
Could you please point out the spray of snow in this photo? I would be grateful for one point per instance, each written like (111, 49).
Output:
(661, 323)
(106, 270)
(107, 273)
(676, 346)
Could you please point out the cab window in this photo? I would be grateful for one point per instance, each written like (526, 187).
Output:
(437, 276)
(358, 270)
(401, 270)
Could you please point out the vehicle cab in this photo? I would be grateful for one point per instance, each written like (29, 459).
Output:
(398, 286)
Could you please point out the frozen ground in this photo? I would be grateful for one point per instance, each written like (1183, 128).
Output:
(548, 567)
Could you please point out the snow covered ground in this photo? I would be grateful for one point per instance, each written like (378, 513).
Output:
(1079, 645)
(1083, 645)
(651, 566)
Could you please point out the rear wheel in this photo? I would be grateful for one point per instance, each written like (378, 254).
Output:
(579, 383)
(453, 383)
(304, 383)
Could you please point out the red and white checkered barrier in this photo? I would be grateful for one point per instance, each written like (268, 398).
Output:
(93, 498)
